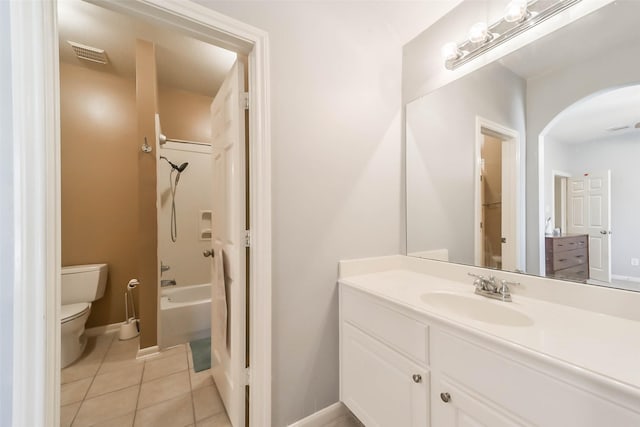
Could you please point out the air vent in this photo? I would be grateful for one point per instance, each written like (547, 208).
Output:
(89, 53)
(616, 129)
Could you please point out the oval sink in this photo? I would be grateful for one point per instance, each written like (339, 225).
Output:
(477, 309)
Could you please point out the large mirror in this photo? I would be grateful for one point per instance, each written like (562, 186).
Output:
(532, 162)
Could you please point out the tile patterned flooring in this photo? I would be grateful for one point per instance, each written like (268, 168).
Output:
(107, 386)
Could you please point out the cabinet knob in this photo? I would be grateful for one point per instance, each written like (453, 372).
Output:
(417, 378)
(446, 397)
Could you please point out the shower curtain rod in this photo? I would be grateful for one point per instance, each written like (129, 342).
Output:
(184, 141)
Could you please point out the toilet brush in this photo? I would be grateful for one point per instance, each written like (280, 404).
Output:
(130, 328)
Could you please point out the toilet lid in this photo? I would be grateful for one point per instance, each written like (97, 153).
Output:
(73, 311)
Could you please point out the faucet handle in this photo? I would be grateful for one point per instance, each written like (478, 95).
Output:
(504, 286)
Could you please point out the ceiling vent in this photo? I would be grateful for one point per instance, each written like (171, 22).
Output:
(89, 53)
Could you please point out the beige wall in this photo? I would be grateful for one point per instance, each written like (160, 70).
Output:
(147, 107)
(99, 180)
(185, 115)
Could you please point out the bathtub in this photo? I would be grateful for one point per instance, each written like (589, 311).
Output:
(185, 314)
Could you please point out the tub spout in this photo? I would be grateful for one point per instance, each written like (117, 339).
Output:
(167, 282)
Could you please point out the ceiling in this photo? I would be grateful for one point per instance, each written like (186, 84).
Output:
(182, 62)
(590, 119)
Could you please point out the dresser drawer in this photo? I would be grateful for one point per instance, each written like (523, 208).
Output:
(569, 243)
(580, 272)
(398, 331)
(567, 259)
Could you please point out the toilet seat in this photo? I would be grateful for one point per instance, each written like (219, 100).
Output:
(70, 312)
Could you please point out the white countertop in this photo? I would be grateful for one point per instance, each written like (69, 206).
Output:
(597, 343)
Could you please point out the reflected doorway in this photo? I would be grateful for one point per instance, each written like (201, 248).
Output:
(497, 157)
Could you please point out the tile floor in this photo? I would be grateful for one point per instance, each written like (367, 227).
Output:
(109, 387)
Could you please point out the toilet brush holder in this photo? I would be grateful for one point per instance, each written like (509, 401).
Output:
(129, 329)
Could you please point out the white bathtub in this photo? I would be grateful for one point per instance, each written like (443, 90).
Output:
(185, 314)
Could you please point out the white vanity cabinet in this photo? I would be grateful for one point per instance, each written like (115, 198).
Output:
(400, 367)
(384, 378)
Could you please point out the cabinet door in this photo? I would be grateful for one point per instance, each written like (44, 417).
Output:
(380, 386)
(452, 406)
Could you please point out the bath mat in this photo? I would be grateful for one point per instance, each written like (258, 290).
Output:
(201, 354)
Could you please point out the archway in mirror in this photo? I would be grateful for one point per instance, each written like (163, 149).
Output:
(589, 190)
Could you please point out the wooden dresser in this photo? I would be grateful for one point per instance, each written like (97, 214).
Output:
(567, 257)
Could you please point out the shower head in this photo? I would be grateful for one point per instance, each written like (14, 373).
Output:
(175, 167)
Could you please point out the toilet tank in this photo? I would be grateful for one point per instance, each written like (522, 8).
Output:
(83, 283)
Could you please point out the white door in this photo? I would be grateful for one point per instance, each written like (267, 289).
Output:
(589, 212)
(228, 304)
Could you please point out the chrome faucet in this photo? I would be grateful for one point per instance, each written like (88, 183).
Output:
(487, 287)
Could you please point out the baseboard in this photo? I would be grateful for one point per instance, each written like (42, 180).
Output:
(146, 352)
(101, 330)
(323, 416)
(626, 278)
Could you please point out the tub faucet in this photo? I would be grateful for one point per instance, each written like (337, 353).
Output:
(164, 267)
(167, 282)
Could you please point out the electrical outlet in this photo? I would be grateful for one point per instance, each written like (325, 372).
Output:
(635, 262)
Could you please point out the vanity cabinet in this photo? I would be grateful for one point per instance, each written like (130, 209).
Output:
(400, 367)
(567, 257)
(384, 378)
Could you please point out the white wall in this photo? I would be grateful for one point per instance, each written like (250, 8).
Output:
(568, 85)
(336, 127)
(440, 165)
(184, 256)
(6, 219)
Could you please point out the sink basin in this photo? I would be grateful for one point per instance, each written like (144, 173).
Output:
(477, 309)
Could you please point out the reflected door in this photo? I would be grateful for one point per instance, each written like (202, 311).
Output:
(589, 212)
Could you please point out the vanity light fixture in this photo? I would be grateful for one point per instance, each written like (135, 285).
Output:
(519, 16)
(479, 33)
(450, 51)
(516, 11)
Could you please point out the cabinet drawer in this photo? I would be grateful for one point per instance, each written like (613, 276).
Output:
(569, 243)
(567, 259)
(580, 272)
(525, 393)
(400, 332)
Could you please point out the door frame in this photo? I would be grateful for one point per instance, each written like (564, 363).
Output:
(36, 187)
(510, 136)
(554, 175)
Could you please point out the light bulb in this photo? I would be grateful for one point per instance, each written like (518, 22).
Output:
(516, 11)
(450, 51)
(479, 33)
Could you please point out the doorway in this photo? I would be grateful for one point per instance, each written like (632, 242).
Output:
(497, 196)
(36, 129)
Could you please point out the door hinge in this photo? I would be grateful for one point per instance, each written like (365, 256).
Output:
(247, 376)
(247, 238)
(245, 100)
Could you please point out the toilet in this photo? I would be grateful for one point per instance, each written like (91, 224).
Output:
(81, 285)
